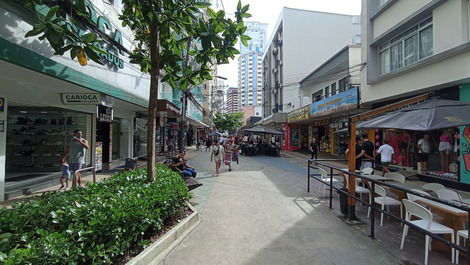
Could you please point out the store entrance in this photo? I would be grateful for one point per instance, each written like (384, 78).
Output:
(103, 137)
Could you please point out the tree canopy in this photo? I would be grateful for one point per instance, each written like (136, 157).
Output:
(228, 121)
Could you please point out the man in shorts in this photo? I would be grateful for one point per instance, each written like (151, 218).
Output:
(75, 153)
(386, 152)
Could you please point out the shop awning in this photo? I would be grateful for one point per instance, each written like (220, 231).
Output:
(262, 129)
(215, 133)
(344, 130)
(433, 114)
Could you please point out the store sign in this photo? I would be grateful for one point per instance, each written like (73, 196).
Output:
(299, 114)
(340, 102)
(81, 98)
(104, 113)
(2, 104)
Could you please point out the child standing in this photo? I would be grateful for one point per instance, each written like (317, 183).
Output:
(65, 176)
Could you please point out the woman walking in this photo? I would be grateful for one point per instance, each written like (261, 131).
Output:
(217, 155)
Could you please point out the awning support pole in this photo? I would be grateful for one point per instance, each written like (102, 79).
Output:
(352, 168)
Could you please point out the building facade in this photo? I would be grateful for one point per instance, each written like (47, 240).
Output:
(301, 40)
(232, 104)
(334, 93)
(250, 65)
(46, 97)
(412, 48)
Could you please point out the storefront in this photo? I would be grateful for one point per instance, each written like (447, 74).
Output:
(45, 98)
(322, 120)
(296, 131)
(447, 146)
(168, 126)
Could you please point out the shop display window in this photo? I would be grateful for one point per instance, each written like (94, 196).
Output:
(140, 137)
(294, 136)
(36, 138)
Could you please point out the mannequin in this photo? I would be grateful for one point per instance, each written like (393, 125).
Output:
(445, 147)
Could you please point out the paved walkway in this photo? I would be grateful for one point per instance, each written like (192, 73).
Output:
(261, 214)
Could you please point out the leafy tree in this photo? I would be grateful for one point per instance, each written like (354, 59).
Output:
(62, 27)
(228, 121)
(174, 39)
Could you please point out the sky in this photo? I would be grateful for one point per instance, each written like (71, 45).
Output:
(268, 11)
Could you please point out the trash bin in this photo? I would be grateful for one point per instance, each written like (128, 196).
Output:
(343, 201)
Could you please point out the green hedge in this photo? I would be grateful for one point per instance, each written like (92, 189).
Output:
(95, 225)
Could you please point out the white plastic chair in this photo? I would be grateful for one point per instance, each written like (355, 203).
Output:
(324, 176)
(434, 187)
(367, 171)
(449, 195)
(359, 189)
(384, 200)
(395, 176)
(460, 234)
(426, 223)
(413, 197)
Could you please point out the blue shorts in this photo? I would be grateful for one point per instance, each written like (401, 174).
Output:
(65, 171)
(74, 167)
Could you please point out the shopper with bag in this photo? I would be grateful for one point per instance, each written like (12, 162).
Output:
(217, 155)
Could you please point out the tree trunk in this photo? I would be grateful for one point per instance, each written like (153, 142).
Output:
(184, 108)
(152, 110)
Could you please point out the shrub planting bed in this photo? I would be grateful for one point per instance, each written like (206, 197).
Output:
(104, 223)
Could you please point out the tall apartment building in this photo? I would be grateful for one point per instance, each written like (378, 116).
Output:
(250, 65)
(232, 102)
(300, 42)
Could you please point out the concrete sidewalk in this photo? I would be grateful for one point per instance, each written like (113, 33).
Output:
(260, 214)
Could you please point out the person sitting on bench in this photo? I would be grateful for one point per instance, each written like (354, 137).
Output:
(180, 163)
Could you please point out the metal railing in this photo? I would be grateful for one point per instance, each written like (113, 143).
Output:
(92, 169)
(315, 164)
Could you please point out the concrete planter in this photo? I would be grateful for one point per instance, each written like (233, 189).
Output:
(156, 253)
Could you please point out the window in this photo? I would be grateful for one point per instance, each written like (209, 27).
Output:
(327, 91)
(317, 96)
(425, 40)
(407, 49)
(411, 50)
(333, 89)
(342, 84)
(396, 56)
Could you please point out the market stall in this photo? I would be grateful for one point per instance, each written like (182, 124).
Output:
(261, 140)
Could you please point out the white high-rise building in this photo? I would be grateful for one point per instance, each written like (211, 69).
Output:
(250, 65)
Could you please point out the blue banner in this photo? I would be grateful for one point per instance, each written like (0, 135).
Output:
(345, 100)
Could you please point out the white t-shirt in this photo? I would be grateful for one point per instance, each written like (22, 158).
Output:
(386, 152)
(424, 145)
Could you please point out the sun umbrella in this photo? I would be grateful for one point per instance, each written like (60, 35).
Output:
(263, 130)
(430, 115)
